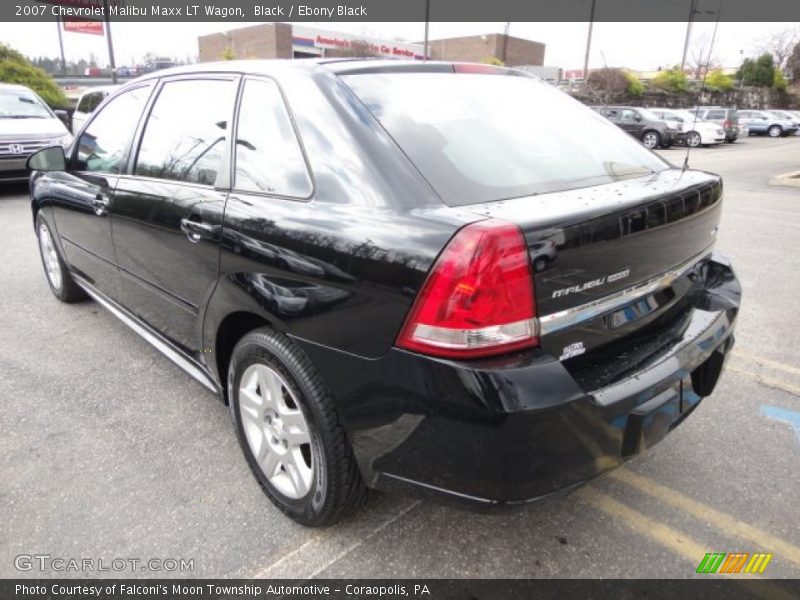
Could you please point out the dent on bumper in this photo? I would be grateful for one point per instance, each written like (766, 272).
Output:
(519, 427)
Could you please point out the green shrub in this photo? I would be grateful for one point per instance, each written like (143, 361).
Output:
(15, 68)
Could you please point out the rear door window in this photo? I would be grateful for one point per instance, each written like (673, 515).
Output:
(481, 137)
(716, 114)
(185, 135)
(269, 159)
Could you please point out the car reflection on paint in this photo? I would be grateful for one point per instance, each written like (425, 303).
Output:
(542, 254)
(283, 258)
(290, 298)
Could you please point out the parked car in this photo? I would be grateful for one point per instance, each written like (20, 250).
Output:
(762, 122)
(88, 101)
(787, 115)
(725, 116)
(157, 65)
(642, 124)
(694, 130)
(27, 124)
(431, 356)
(542, 254)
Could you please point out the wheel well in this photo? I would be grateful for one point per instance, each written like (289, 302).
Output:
(233, 328)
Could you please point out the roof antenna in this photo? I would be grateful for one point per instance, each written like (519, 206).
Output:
(703, 84)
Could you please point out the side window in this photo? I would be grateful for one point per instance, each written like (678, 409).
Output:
(184, 138)
(716, 114)
(268, 155)
(83, 105)
(628, 116)
(102, 147)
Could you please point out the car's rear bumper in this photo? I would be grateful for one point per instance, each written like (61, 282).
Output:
(517, 428)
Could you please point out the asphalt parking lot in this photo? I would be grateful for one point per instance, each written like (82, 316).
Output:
(110, 451)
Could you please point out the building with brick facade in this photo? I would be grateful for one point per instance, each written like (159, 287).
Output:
(512, 51)
(285, 40)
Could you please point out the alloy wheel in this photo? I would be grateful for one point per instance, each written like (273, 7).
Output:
(52, 266)
(276, 431)
(693, 139)
(650, 140)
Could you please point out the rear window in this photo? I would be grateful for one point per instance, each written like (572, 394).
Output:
(480, 138)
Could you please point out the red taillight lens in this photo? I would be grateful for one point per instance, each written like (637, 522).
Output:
(478, 299)
(726, 124)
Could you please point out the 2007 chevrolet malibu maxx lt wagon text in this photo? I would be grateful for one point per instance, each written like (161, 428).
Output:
(399, 275)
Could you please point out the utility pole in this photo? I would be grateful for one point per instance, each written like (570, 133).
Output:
(692, 11)
(110, 43)
(505, 41)
(61, 46)
(588, 45)
(427, 19)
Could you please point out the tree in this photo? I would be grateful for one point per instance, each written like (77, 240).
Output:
(717, 80)
(759, 72)
(780, 45)
(605, 84)
(671, 80)
(793, 63)
(779, 81)
(15, 68)
(494, 61)
(635, 86)
(228, 54)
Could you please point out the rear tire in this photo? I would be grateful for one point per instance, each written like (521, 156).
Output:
(775, 131)
(56, 271)
(290, 431)
(651, 140)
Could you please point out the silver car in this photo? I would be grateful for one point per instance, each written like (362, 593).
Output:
(26, 125)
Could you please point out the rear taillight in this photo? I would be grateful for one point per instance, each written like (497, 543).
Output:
(478, 298)
(726, 124)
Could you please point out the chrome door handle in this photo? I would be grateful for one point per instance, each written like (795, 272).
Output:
(100, 204)
(196, 230)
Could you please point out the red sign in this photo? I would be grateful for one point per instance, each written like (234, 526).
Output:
(80, 3)
(77, 26)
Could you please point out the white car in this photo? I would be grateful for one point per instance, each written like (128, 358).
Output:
(89, 100)
(27, 125)
(695, 131)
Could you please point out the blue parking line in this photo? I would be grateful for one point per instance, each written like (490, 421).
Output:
(791, 417)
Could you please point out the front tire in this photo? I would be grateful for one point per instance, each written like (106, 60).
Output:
(290, 431)
(693, 139)
(651, 140)
(775, 131)
(56, 272)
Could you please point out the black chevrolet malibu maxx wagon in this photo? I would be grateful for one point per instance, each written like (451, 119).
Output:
(344, 251)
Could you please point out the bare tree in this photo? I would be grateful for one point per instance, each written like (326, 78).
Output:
(780, 44)
(699, 60)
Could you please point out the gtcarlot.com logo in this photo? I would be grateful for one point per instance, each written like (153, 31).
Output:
(46, 562)
(734, 562)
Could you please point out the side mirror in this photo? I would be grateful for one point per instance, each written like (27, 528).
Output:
(63, 116)
(48, 159)
(637, 118)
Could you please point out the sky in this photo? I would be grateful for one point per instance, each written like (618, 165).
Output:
(640, 46)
